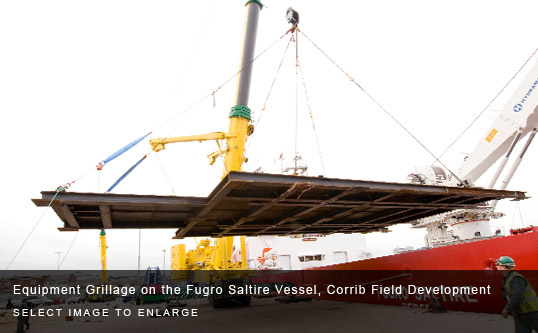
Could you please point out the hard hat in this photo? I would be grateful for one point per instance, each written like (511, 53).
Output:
(506, 261)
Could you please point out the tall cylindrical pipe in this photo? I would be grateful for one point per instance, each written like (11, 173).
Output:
(247, 52)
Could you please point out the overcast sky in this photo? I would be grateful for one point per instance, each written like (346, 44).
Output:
(80, 79)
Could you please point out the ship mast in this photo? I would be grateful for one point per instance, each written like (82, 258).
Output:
(239, 126)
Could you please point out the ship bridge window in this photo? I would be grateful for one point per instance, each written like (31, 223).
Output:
(308, 258)
(477, 234)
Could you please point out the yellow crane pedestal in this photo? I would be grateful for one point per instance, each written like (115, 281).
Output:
(211, 260)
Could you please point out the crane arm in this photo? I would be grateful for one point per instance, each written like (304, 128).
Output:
(519, 115)
(158, 144)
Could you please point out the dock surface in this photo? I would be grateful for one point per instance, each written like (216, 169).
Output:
(268, 315)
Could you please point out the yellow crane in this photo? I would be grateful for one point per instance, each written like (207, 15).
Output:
(218, 256)
(239, 127)
(209, 255)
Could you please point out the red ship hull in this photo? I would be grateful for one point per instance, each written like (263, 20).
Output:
(461, 265)
(478, 255)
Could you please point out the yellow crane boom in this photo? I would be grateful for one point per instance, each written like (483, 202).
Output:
(239, 125)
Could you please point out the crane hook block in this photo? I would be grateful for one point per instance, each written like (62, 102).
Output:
(292, 16)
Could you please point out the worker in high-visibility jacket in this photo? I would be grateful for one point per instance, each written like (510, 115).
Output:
(521, 298)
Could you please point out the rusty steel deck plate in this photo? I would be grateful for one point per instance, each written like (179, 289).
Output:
(254, 204)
